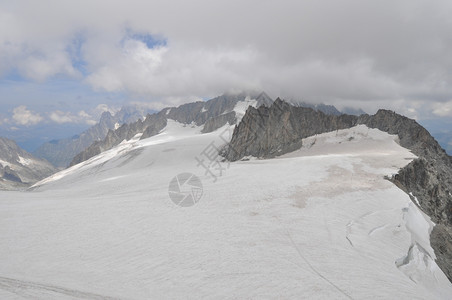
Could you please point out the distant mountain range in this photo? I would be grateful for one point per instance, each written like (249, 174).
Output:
(61, 152)
(129, 121)
(18, 168)
(212, 114)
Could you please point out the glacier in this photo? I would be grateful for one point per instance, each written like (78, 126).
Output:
(321, 222)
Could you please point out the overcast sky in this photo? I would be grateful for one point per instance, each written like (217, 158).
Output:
(67, 61)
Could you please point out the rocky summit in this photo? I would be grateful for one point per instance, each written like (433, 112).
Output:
(279, 129)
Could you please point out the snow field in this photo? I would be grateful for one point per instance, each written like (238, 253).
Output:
(318, 223)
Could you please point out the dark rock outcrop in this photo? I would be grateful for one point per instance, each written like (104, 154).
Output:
(430, 182)
(278, 129)
(214, 123)
(441, 242)
(428, 178)
(155, 124)
(9, 175)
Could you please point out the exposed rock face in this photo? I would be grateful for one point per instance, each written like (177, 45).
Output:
(428, 178)
(441, 242)
(213, 114)
(61, 152)
(267, 132)
(18, 168)
(280, 128)
(155, 124)
(431, 185)
(214, 123)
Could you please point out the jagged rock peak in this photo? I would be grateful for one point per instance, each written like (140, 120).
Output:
(280, 128)
(106, 115)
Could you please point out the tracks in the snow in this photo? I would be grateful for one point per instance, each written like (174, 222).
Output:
(34, 290)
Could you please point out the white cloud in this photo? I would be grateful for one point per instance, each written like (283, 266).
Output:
(62, 117)
(40, 68)
(23, 116)
(100, 108)
(369, 53)
(164, 102)
(164, 72)
(88, 119)
(133, 70)
(443, 109)
(82, 117)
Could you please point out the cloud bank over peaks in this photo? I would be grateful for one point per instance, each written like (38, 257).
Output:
(23, 116)
(349, 53)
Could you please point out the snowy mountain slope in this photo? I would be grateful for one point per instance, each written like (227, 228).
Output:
(320, 222)
(18, 168)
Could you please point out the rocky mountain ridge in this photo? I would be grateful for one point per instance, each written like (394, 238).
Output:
(271, 131)
(211, 114)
